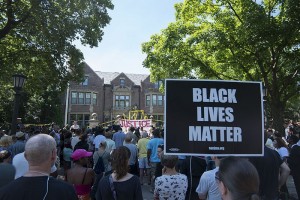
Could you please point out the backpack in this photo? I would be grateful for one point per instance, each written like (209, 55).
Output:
(99, 167)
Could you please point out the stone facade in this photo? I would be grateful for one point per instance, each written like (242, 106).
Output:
(109, 94)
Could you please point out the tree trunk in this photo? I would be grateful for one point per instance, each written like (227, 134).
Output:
(277, 113)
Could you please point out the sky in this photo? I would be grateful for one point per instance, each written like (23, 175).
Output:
(132, 23)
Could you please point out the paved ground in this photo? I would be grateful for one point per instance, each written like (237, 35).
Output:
(147, 195)
(291, 188)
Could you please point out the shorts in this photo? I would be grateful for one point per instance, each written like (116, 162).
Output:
(143, 163)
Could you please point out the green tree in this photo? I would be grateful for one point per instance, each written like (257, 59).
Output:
(232, 39)
(37, 39)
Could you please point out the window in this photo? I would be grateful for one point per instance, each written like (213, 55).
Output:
(86, 81)
(159, 100)
(94, 99)
(154, 100)
(74, 98)
(148, 100)
(121, 101)
(83, 98)
(87, 98)
(158, 84)
(122, 82)
(80, 98)
(160, 117)
(86, 118)
(79, 119)
(73, 118)
(82, 119)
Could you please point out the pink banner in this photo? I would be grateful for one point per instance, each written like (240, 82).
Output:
(135, 123)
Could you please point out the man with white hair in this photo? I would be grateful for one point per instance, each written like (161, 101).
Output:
(40, 152)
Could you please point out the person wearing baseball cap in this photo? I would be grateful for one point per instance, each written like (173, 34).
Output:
(80, 153)
(19, 145)
(80, 176)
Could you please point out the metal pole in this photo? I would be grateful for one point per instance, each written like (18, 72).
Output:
(67, 105)
(15, 112)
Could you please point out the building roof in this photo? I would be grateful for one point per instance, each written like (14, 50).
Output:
(110, 76)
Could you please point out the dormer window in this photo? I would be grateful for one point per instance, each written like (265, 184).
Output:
(157, 84)
(122, 82)
(86, 81)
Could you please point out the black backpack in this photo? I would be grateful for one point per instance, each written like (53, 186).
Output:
(99, 167)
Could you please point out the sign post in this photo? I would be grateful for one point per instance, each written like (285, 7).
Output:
(205, 117)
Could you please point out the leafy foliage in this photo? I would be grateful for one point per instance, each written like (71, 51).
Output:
(36, 39)
(232, 39)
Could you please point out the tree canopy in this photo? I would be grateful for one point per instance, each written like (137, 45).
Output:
(232, 40)
(37, 40)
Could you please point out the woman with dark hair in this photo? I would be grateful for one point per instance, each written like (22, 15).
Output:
(137, 133)
(237, 179)
(171, 185)
(81, 177)
(120, 184)
(281, 148)
(82, 144)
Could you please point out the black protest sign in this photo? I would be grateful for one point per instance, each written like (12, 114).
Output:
(204, 117)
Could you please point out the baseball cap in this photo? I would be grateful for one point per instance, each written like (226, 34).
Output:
(19, 134)
(80, 153)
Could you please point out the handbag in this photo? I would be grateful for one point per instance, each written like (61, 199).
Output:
(112, 187)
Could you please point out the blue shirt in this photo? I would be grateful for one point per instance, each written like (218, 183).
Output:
(133, 153)
(152, 145)
(119, 138)
(17, 148)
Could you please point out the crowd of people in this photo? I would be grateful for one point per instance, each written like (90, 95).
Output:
(110, 163)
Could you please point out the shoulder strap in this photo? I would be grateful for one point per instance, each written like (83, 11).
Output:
(112, 187)
(84, 175)
(102, 154)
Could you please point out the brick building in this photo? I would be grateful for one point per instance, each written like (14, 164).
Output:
(110, 94)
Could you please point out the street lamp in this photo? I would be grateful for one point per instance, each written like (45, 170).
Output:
(264, 92)
(19, 81)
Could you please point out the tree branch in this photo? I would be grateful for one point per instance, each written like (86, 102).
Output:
(235, 13)
(216, 74)
(242, 66)
(11, 22)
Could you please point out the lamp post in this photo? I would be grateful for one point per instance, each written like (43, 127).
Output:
(19, 81)
(264, 94)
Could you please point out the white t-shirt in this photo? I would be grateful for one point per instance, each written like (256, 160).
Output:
(209, 186)
(283, 152)
(74, 141)
(22, 166)
(98, 139)
(74, 126)
(269, 143)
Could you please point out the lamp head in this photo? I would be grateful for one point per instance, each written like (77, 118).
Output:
(19, 81)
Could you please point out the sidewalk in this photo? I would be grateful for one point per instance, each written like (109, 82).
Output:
(291, 187)
(147, 195)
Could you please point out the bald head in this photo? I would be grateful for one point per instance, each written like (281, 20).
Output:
(39, 149)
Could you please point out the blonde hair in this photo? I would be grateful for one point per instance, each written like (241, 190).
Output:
(6, 141)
